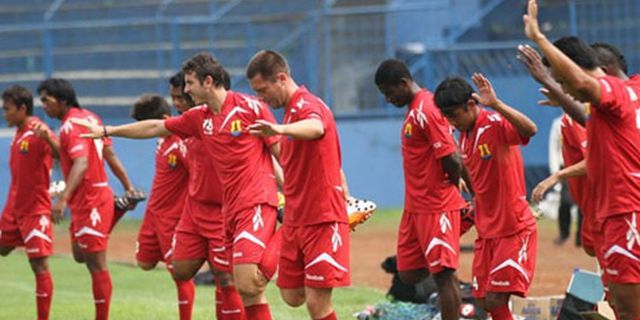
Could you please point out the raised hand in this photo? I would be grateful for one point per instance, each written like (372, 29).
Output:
(533, 61)
(531, 27)
(487, 96)
(264, 128)
(95, 131)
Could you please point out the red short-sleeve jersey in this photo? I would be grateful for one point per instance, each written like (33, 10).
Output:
(574, 148)
(427, 138)
(312, 179)
(30, 163)
(242, 160)
(170, 182)
(491, 153)
(613, 151)
(87, 194)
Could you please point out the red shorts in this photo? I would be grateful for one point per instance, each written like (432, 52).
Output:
(599, 249)
(248, 232)
(429, 241)
(505, 264)
(154, 238)
(622, 248)
(90, 227)
(200, 235)
(34, 232)
(315, 256)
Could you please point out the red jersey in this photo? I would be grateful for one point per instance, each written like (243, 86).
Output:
(613, 152)
(30, 163)
(574, 148)
(491, 153)
(426, 138)
(73, 147)
(170, 182)
(242, 160)
(312, 179)
(204, 182)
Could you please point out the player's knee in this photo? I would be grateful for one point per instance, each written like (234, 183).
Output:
(293, 298)
(146, 266)
(182, 274)
(495, 300)
(39, 265)
(250, 286)
(78, 257)
(412, 277)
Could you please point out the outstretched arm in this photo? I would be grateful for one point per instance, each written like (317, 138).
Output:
(138, 130)
(308, 129)
(532, 60)
(452, 166)
(487, 97)
(574, 76)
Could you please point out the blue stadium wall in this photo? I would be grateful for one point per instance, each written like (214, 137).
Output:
(370, 148)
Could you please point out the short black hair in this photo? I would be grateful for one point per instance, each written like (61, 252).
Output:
(391, 72)
(61, 89)
(20, 96)
(177, 80)
(608, 54)
(267, 64)
(204, 64)
(578, 51)
(150, 106)
(452, 93)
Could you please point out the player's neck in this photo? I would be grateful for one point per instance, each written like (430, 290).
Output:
(415, 89)
(23, 123)
(290, 88)
(216, 100)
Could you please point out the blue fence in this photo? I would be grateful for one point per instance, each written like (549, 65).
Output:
(115, 50)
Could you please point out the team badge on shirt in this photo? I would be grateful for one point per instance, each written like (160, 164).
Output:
(24, 146)
(485, 153)
(587, 110)
(236, 128)
(172, 160)
(408, 130)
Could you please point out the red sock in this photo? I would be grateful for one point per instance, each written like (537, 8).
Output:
(44, 292)
(117, 214)
(232, 308)
(186, 294)
(269, 263)
(258, 312)
(218, 298)
(330, 316)
(101, 283)
(501, 313)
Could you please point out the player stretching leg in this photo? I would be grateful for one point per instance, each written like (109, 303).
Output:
(505, 251)
(308, 270)
(26, 217)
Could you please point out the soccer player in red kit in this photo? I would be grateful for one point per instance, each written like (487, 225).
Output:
(613, 156)
(87, 192)
(26, 217)
(428, 238)
(168, 194)
(314, 255)
(242, 161)
(505, 251)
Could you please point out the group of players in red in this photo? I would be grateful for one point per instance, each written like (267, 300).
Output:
(220, 163)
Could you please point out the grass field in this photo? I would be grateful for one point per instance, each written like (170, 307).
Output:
(136, 294)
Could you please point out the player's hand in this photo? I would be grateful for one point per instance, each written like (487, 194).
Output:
(538, 192)
(135, 195)
(551, 101)
(265, 129)
(40, 130)
(532, 60)
(531, 27)
(487, 95)
(95, 131)
(57, 211)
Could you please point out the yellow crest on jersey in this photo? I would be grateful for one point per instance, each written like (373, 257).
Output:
(24, 146)
(485, 153)
(172, 160)
(408, 130)
(236, 128)
(587, 110)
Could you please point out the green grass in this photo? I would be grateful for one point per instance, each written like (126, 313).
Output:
(136, 295)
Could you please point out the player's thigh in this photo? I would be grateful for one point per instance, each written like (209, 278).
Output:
(408, 250)
(413, 276)
(293, 297)
(626, 298)
(39, 265)
(76, 251)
